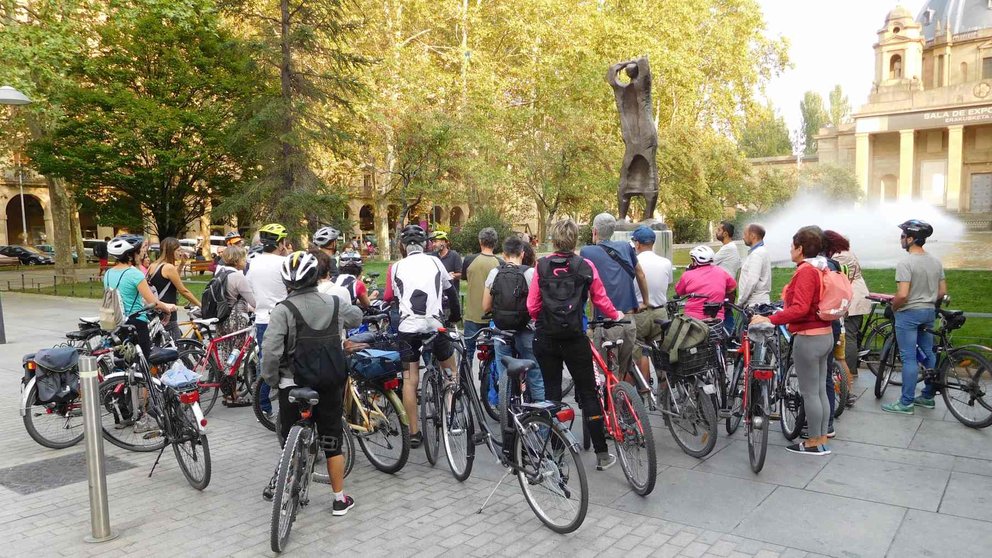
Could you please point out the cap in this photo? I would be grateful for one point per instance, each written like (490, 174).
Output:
(643, 235)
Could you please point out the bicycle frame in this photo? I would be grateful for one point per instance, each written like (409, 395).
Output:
(212, 351)
(353, 397)
(609, 410)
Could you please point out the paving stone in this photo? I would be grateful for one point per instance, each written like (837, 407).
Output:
(968, 495)
(882, 481)
(924, 534)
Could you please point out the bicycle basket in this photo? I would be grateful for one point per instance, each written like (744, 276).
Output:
(692, 360)
(372, 364)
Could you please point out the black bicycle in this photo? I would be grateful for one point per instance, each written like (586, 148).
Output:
(296, 464)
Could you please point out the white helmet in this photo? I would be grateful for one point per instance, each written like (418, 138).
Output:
(123, 244)
(325, 236)
(702, 255)
(299, 270)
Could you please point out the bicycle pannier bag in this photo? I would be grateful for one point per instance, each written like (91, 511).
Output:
(564, 282)
(509, 292)
(57, 375)
(214, 303)
(372, 364)
(835, 296)
(684, 333)
(318, 361)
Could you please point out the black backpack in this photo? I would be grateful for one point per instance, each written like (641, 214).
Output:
(318, 361)
(564, 283)
(214, 303)
(509, 292)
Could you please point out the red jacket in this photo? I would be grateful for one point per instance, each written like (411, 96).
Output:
(801, 297)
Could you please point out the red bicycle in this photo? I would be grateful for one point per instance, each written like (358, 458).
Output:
(234, 375)
(624, 415)
(760, 362)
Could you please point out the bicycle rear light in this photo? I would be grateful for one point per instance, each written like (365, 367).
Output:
(391, 383)
(305, 414)
(565, 415)
(32, 365)
(763, 374)
(189, 397)
(203, 423)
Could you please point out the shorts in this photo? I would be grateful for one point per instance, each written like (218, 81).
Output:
(647, 330)
(840, 348)
(326, 417)
(410, 344)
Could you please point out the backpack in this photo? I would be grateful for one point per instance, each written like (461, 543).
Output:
(348, 282)
(684, 333)
(509, 292)
(213, 302)
(318, 361)
(564, 283)
(835, 295)
(112, 309)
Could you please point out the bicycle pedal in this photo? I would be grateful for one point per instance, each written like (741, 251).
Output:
(723, 413)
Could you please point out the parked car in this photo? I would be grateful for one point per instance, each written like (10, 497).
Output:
(29, 255)
(49, 251)
(88, 244)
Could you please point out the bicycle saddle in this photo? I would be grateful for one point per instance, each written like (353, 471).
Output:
(762, 331)
(90, 320)
(516, 366)
(304, 394)
(84, 334)
(162, 355)
(206, 322)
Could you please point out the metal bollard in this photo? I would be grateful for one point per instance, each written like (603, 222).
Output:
(96, 470)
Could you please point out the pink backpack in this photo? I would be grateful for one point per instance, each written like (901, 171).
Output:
(835, 295)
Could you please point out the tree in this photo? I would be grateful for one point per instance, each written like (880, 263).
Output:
(840, 107)
(831, 182)
(765, 133)
(814, 117)
(151, 115)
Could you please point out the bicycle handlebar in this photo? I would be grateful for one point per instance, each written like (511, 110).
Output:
(374, 318)
(607, 324)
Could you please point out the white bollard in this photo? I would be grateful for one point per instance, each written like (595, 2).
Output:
(96, 469)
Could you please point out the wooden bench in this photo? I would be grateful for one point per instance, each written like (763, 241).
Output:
(9, 262)
(191, 267)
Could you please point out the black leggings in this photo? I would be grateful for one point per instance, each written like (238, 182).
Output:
(575, 353)
(144, 338)
(327, 416)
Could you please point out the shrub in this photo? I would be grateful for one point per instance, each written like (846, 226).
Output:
(689, 229)
(466, 240)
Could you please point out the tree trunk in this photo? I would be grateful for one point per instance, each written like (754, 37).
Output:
(77, 237)
(61, 219)
(286, 91)
(205, 227)
(381, 205)
(542, 224)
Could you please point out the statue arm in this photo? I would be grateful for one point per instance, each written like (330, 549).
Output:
(613, 72)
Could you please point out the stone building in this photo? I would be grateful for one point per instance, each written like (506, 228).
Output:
(926, 131)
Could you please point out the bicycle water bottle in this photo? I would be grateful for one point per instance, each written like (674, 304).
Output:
(921, 357)
(233, 356)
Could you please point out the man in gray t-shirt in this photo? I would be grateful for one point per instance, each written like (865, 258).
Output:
(920, 284)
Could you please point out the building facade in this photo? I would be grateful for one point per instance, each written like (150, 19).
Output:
(926, 131)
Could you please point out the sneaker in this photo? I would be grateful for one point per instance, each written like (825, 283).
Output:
(145, 424)
(416, 440)
(898, 408)
(269, 416)
(851, 399)
(342, 507)
(269, 489)
(925, 402)
(604, 461)
(803, 449)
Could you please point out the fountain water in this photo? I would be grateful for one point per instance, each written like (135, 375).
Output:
(871, 228)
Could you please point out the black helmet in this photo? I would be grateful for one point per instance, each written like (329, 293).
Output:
(413, 234)
(916, 229)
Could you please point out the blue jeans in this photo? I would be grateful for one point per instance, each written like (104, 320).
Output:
(471, 328)
(263, 392)
(909, 335)
(523, 342)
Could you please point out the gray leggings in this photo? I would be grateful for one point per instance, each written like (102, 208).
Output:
(809, 352)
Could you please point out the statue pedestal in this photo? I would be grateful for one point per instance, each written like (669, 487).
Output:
(663, 240)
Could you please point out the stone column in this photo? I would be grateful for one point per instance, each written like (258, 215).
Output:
(955, 145)
(862, 162)
(906, 164)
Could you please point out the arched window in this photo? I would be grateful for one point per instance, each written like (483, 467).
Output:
(895, 67)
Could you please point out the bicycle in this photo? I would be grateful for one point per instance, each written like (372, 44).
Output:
(625, 418)
(127, 395)
(961, 369)
(536, 445)
(759, 373)
(235, 375)
(874, 331)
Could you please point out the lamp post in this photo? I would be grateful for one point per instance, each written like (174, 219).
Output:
(11, 96)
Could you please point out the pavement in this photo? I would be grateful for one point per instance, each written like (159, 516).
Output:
(895, 486)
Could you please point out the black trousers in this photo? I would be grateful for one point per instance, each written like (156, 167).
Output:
(574, 352)
(327, 416)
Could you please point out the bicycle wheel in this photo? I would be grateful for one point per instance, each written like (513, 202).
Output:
(119, 417)
(551, 474)
(692, 418)
(791, 412)
(387, 444)
(636, 452)
(286, 498)
(841, 390)
(209, 393)
(56, 425)
(888, 363)
(266, 418)
(430, 416)
(457, 430)
(486, 374)
(192, 450)
(246, 377)
(967, 381)
(347, 451)
(736, 396)
(870, 350)
(757, 427)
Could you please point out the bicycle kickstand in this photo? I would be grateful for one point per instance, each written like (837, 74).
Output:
(499, 482)
(156, 460)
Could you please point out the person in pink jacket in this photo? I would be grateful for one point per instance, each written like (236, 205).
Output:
(704, 278)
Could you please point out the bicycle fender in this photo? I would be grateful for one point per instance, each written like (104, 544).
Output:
(198, 413)
(973, 347)
(25, 390)
(572, 441)
(397, 403)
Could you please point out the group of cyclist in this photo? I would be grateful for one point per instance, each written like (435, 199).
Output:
(303, 300)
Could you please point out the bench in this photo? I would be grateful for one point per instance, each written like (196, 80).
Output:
(9, 261)
(196, 266)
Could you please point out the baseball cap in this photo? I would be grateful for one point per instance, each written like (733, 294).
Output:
(643, 235)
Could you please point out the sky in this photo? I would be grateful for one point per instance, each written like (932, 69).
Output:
(830, 43)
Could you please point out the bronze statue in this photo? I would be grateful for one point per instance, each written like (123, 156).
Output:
(639, 172)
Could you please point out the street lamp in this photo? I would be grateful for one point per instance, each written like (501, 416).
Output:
(11, 96)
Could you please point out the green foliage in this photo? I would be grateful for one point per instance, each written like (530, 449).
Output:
(689, 229)
(466, 240)
(814, 117)
(765, 133)
(830, 181)
(840, 107)
(771, 188)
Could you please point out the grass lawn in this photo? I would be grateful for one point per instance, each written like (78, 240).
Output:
(969, 291)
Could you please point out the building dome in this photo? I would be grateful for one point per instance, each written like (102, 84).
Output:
(897, 13)
(958, 16)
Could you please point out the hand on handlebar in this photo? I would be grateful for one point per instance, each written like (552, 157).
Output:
(759, 319)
